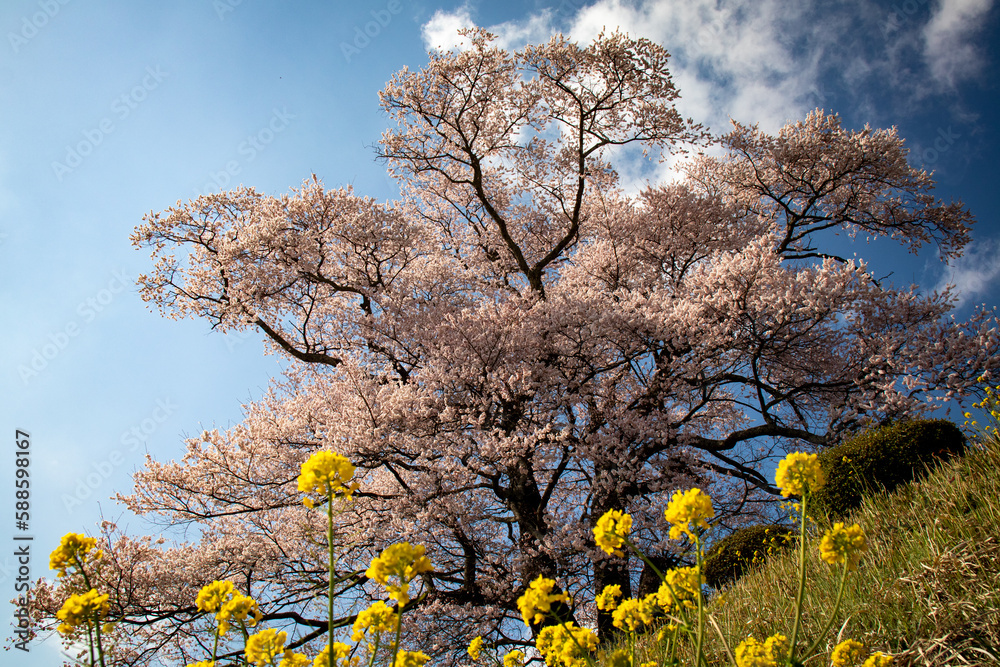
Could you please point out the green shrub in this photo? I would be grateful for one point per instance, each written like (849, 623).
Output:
(731, 557)
(881, 459)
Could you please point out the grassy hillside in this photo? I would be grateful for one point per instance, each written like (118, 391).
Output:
(927, 590)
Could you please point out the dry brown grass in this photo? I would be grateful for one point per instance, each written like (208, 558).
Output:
(927, 591)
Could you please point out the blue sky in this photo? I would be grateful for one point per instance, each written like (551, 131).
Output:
(113, 109)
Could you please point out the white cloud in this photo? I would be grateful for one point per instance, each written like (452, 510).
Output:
(731, 60)
(949, 50)
(975, 272)
(441, 31)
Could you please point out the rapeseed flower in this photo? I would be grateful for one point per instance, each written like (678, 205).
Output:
(265, 646)
(82, 609)
(340, 651)
(327, 474)
(74, 549)
(513, 658)
(799, 473)
(537, 600)
(611, 531)
(561, 645)
(475, 648)
(690, 507)
(410, 659)
(202, 663)
(378, 618)
(680, 586)
(619, 658)
(848, 653)
(212, 596)
(401, 562)
(770, 653)
(293, 659)
(632, 614)
(843, 545)
(878, 659)
(239, 609)
(608, 599)
(230, 605)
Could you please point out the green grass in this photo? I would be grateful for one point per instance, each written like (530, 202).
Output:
(927, 590)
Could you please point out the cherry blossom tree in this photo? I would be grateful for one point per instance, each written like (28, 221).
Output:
(520, 344)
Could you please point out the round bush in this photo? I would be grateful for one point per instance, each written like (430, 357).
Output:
(735, 555)
(881, 459)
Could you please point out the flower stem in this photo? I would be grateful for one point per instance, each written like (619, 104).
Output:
(833, 615)
(329, 551)
(699, 658)
(802, 579)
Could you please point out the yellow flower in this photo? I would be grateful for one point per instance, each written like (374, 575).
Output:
(799, 473)
(80, 609)
(632, 614)
(878, 659)
(777, 646)
(212, 596)
(680, 586)
(327, 474)
(402, 562)
(691, 506)
(619, 658)
(203, 663)
(378, 618)
(611, 531)
(293, 659)
(340, 651)
(847, 653)
(537, 600)
(475, 648)
(664, 632)
(771, 653)
(410, 659)
(263, 647)
(231, 605)
(74, 550)
(561, 644)
(651, 663)
(238, 609)
(514, 658)
(843, 545)
(608, 599)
